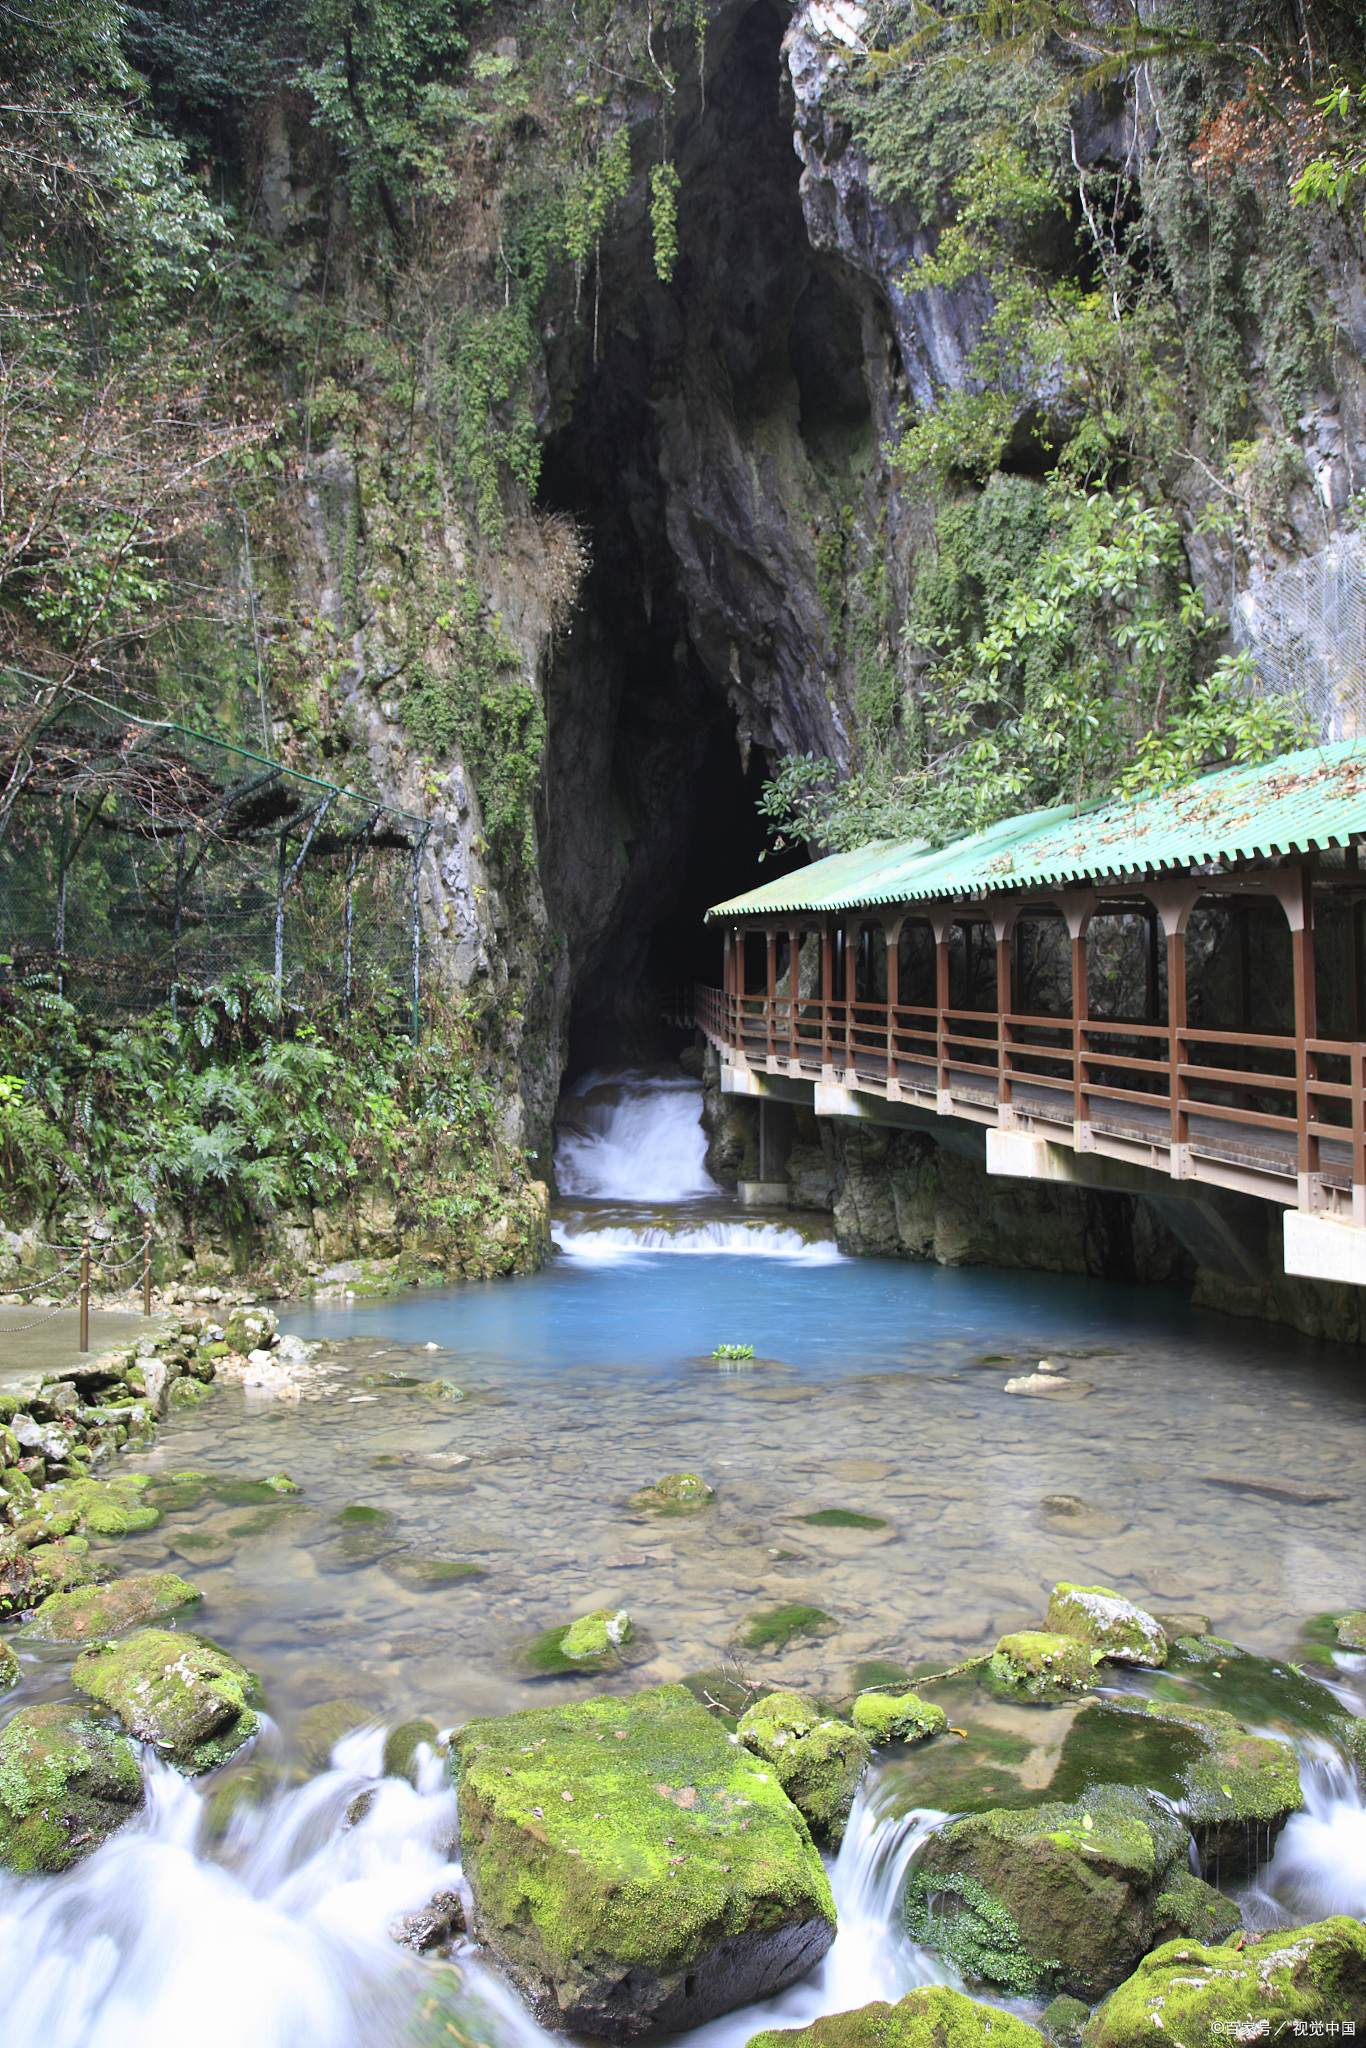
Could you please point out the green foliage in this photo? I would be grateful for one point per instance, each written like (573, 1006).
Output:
(1337, 176)
(664, 219)
(733, 1351)
(230, 1113)
(482, 705)
(1223, 721)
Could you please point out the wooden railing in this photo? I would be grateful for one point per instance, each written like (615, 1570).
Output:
(1289, 1108)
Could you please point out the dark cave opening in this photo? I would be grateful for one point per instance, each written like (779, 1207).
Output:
(651, 790)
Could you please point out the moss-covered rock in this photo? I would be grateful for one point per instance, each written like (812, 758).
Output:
(932, 2017)
(1052, 1898)
(1204, 1997)
(9, 1667)
(589, 1643)
(106, 1507)
(94, 1611)
(28, 1577)
(1108, 1624)
(401, 1746)
(633, 1868)
(1062, 2021)
(677, 1493)
(187, 1392)
(1040, 1666)
(776, 1626)
(1239, 1794)
(320, 1728)
(1189, 1909)
(1351, 1630)
(175, 1690)
(897, 1717)
(819, 1761)
(66, 1783)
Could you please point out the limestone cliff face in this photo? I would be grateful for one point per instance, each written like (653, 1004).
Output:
(713, 476)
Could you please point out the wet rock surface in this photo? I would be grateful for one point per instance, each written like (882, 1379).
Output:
(819, 1760)
(935, 2017)
(631, 1868)
(174, 1690)
(95, 1611)
(66, 1782)
(1299, 1977)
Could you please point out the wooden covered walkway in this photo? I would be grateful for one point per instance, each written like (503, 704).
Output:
(1176, 984)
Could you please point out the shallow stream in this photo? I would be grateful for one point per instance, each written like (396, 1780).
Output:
(1193, 1463)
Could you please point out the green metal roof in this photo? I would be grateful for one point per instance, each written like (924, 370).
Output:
(1312, 799)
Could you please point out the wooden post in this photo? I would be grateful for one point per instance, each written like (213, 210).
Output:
(941, 928)
(1306, 1027)
(851, 945)
(1081, 1109)
(771, 1004)
(1176, 1025)
(1003, 924)
(85, 1295)
(827, 995)
(146, 1265)
(892, 937)
(1152, 992)
(794, 948)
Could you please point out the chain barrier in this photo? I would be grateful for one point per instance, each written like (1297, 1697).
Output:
(142, 1254)
(19, 1329)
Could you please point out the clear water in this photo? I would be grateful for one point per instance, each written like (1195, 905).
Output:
(1193, 1462)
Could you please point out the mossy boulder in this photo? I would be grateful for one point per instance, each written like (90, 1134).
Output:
(66, 1783)
(1189, 1909)
(9, 1667)
(173, 1689)
(1052, 1898)
(28, 1577)
(1351, 1630)
(321, 1727)
(819, 1761)
(1206, 1996)
(677, 1493)
(1062, 2021)
(632, 1867)
(897, 1717)
(1108, 1624)
(106, 1507)
(932, 2017)
(94, 1611)
(777, 1626)
(589, 1643)
(401, 1746)
(1239, 1794)
(187, 1393)
(1038, 1666)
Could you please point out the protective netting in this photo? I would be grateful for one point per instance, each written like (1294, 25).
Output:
(145, 862)
(1305, 628)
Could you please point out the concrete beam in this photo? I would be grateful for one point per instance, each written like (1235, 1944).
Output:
(1325, 1248)
(773, 1087)
(763, 1194)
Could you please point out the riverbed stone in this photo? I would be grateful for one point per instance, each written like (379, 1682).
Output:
(632, 1867)
(596, 1634)
(677, 1493)
(1189, 1909)
(30, 1576)
(106, 1507)
(932, 2017)
(819, 1760)
(1240, 1794)
(66, 1782)
(176, 1690)
(897, 1717)
(1054, 1897)
(1040, 1665)
(1351, 1630)
(91, 1612)
(401, 1745)
(593, 1645)
(9, 1666)
(321, 1727)
(1205, 1996)
(1108, 1624)
(1062, 2021)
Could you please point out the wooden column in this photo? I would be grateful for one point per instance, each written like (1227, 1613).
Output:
(1078, 908)
(727, 976)
(942, 924)
(851, 943)
(1306, 1027)
(1174, 902)
(1358, 1104)
(892, 936)
(1003, 921)
(794, 947)
(827, 996)
(771, 988)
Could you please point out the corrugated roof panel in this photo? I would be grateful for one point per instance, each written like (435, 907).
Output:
(1316, 798)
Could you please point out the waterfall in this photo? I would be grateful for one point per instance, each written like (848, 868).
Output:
(278, 1934)
(606, 1244)
(1319, 1863)
(633, 1136)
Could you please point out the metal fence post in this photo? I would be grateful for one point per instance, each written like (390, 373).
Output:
(85, 1295)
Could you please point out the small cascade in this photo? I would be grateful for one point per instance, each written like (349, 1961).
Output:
(1319, 1864)
(281, 1939)
(633, 1136)
(606, 1244)
(870, 1957)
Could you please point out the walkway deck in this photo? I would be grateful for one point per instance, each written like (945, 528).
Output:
(1279, 1115)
